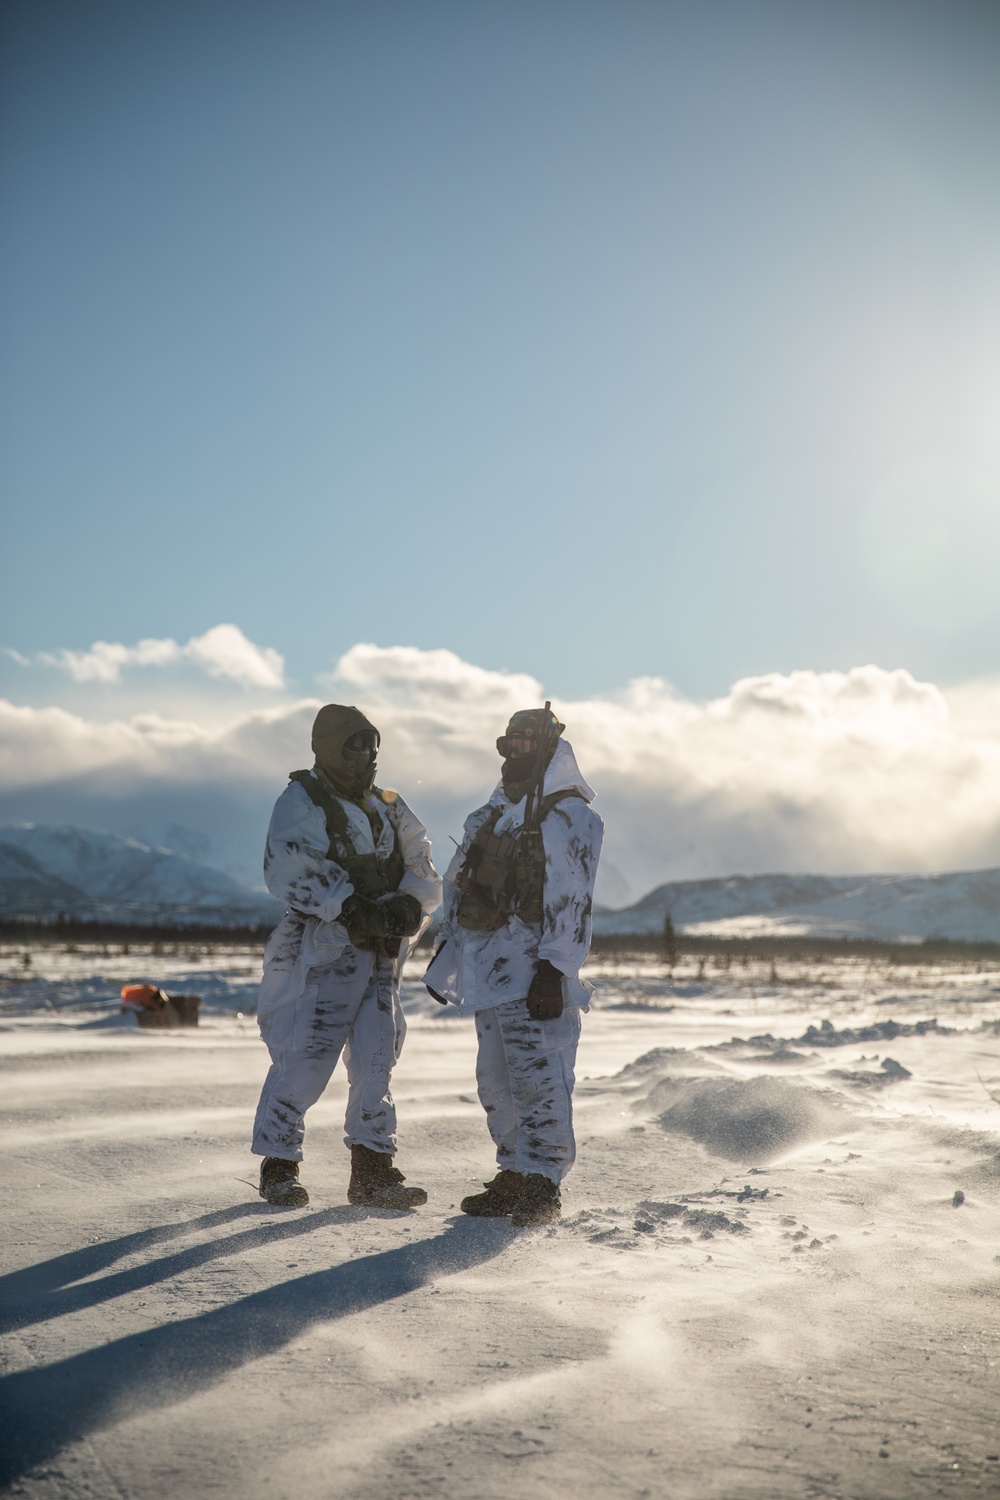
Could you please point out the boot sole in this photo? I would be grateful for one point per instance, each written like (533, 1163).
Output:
(529, 1220)
(399, 1198)
(296, 1198)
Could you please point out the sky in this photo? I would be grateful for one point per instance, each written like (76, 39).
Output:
(631, 354)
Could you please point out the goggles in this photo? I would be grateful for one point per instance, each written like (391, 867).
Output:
(365, 739)
(515, 745)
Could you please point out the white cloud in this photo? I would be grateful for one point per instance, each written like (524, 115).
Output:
(857, 771)
(47, 746)
(222, 652)
(406, 675)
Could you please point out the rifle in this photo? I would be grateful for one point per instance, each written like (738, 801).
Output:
(533, 798)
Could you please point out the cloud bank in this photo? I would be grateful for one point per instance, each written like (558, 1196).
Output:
(222, 652)
(836, 772)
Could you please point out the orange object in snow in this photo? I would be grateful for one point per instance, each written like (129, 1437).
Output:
(143, 997)
(153, 1007)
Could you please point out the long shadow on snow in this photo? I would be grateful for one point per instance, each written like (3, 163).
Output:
(45, 1291)
(43, 1410)
(41, 1280)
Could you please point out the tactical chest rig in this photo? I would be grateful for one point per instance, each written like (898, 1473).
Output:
(504, 874)
(371, 875)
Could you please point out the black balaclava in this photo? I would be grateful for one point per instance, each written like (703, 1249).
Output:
(333, 727)
(519, 772)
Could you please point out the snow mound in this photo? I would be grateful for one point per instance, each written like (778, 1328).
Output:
(656, 1061)
(743, 1119)
(986, 1173)
(828, 1035)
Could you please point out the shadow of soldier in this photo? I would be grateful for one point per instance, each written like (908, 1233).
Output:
(57, 1286)
(41, 1411)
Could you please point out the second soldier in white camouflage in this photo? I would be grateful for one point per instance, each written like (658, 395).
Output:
(517, 923)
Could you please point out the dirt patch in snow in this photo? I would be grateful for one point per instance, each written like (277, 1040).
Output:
(696, 1216)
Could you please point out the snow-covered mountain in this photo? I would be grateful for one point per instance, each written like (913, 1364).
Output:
(963, 906)
(26, 886)
(45, 870)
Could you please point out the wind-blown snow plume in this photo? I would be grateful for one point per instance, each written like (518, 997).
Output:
(831, 772)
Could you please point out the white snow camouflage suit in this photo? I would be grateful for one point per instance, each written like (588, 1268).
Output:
(320, 995)
(525, 1068)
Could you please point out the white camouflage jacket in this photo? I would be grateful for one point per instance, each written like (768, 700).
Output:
(298, 872)
(477, 970)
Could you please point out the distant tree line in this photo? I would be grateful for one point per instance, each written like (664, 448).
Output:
(667, 945)
(671, 946)
(65, 929)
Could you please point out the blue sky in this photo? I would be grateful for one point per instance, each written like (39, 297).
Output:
(542, 347)
(588, 340)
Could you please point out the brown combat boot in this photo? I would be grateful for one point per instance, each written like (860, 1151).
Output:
(280, 1185)
(539, 1202)
(376, 1183)
(500, 1197)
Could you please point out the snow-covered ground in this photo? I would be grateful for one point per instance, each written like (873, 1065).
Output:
(776, 1274)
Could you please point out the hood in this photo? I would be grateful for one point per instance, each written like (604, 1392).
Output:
(562, 775)
(333, 727)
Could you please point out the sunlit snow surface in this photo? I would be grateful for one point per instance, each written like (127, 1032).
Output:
(774, 1278)
(83, 984)
(748, 1018)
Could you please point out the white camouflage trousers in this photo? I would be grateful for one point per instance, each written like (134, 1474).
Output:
(525, 1076)
(350, 1006)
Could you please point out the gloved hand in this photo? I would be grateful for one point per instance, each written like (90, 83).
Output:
(363, 917)
(545, 1001)
(402, 914)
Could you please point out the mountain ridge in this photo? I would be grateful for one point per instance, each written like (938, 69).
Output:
(47, 870)
(961, 905)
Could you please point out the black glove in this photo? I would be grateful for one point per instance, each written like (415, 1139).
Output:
(545, 1001)
(363, 917)
(402, 914)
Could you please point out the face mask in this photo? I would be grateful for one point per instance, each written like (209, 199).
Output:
(350, 764)
(517, 774)
(359, 754)
(337, 726)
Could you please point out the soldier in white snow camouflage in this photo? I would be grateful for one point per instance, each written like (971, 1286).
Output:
(353, 863)
(517, 921)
